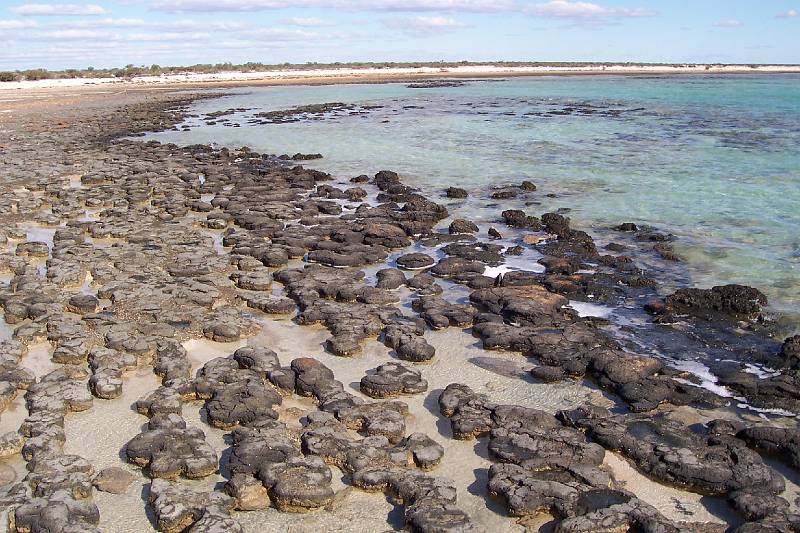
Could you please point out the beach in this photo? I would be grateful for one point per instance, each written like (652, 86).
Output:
(201, 337)
(387, 74)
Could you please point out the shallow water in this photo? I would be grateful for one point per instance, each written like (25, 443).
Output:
(711, 159)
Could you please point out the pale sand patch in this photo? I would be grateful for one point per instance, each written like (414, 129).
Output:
(39, 359)
(5, 330)
(99, 435)
(202, 351)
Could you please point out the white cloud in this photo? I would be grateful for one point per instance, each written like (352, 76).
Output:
(792, 13)
(309, 22)
(424, 26)
(72, 35)
(175, 26)
(208, 6)
(476, 6)
(584, 11)
(580, 11)
(277, 35)
(61, 10)
(191, 25)
(729, 24)
(108, 23)
(17, 24)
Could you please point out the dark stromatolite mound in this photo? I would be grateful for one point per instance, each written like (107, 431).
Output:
(351, 310)
(108, 367)
(546, 467)
(455, 193)
(379, 418)
(57, 513)
(673, 453)
(609, 510)
(164, 400)
(269, 454)
(169, 449)
(430, 502)
(298, 484)
(392, 379)
(782, 442)
(732, 301)
(530, 319)
(529, 490)
(179, 508)
(523, 435)
(242, 403)
(790, 352)
(405, 336)
(324, 111)
(518, 219)
(390, 278)
(764, 512)
(414, 261)
(330, 439)
(237, 388)
(461, 225)
(527, 305)
(258, 359)
(479, 251)
(781, 391)
(438, 313)
(470, 414)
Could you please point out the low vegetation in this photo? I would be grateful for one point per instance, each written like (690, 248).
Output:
(130, 71)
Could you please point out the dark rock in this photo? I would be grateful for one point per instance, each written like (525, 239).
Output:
(390, 278)
(627, 226)
(518, 219)
(455, 192)
(672, 453)
(461, 225)
(415, 261)
(392, 379)
(731, 300)
(169, 449)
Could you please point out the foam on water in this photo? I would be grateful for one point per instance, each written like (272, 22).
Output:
(585, 309)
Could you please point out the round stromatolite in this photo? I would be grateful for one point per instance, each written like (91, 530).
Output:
(299, 484)
(82, 304)
(392, 379)
(172, 450)
(414, 261)
(455, 192)
(242, 403)
(461, 225)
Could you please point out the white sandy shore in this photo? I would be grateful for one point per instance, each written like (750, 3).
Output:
(372, 73)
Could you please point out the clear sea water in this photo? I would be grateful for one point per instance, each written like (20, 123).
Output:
(713, 160)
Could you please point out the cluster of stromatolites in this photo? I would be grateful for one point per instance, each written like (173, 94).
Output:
(117, 252)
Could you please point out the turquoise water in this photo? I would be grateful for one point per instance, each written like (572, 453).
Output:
(714, 160)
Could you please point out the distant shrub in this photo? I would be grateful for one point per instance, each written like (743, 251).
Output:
(9, 76)
(36, 74)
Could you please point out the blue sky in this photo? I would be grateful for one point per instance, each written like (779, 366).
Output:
(109, 33)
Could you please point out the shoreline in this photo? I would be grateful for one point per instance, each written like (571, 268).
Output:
(274, 221)
(388, 75)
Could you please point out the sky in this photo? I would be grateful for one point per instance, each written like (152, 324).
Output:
(114, 33)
